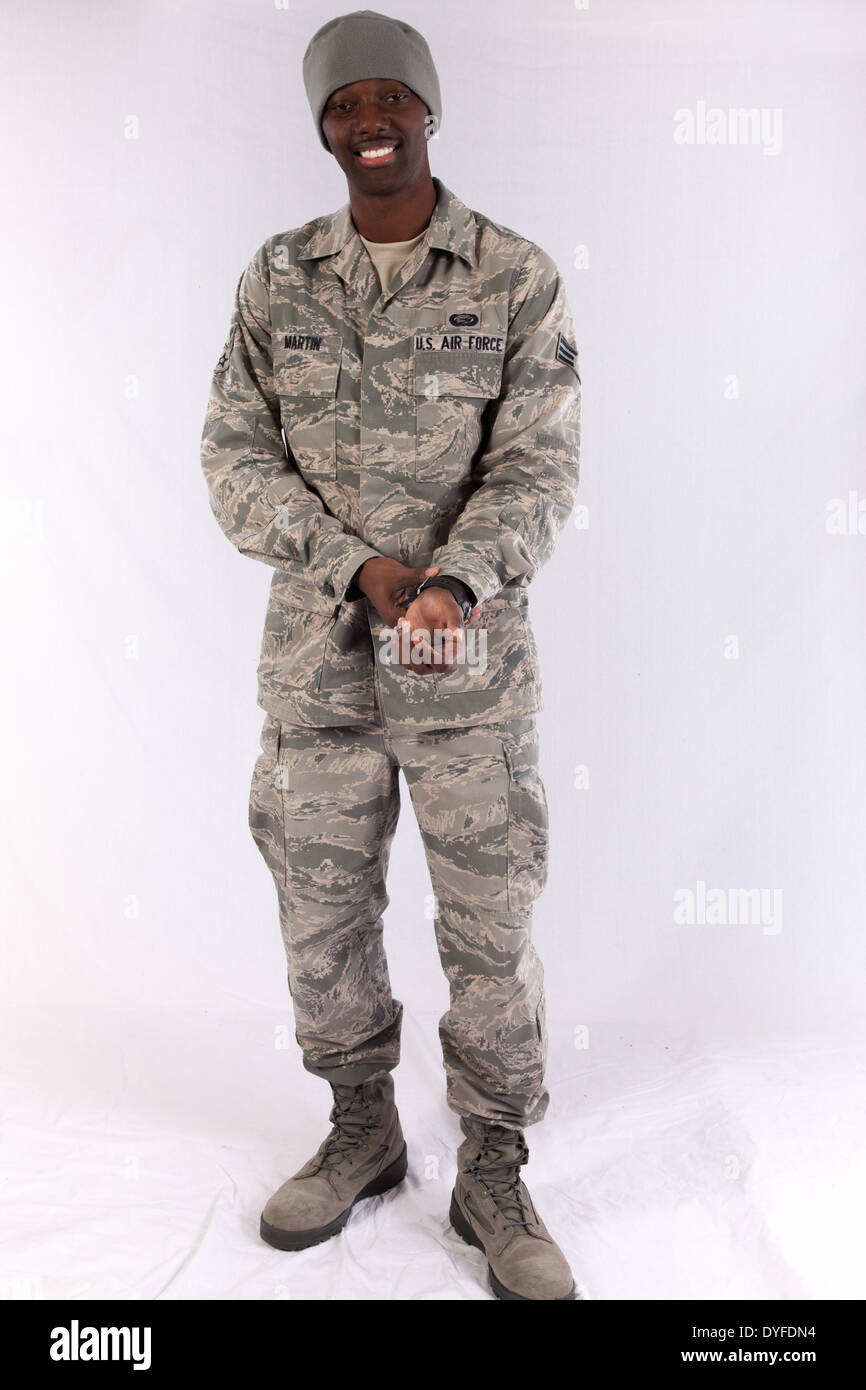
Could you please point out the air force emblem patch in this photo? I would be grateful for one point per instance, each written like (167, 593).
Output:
(567, 354)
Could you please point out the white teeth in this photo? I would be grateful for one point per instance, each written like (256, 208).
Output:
(377, 154)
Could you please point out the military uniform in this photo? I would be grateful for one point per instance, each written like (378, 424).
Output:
(435, 422)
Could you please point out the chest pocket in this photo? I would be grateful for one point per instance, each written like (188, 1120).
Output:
(307, 378)
(451, 388)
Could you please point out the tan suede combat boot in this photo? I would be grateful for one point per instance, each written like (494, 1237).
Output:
(492, 1209)
(364, 1154)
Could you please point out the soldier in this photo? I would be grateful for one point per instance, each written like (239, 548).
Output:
(394, 427)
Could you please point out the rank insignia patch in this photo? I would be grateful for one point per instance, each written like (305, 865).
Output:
(226, 352)
(567, 354)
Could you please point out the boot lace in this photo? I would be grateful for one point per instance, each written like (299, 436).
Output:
(497, 1168)
(352, 1123)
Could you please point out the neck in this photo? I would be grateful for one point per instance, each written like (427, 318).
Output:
(394, 216)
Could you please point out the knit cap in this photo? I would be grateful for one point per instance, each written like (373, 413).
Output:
(365, 44)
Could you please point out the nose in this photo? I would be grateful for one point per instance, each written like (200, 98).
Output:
(370, 117)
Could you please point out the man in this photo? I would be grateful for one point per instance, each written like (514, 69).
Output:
(419, 360)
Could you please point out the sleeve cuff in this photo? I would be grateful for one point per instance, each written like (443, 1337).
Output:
(471, 570)
(339, 572)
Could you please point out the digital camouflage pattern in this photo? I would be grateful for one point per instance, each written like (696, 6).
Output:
(435, 423)
(323, 810)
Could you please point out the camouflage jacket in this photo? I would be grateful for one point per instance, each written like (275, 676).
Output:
(437, 423)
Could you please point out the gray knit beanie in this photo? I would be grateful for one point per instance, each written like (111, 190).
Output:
(365, 44)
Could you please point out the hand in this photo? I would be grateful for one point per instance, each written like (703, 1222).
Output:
(436, 610)
(388, 584)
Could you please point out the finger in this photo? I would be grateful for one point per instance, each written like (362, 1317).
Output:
(421, 646)
(424, 572)
(420, 668)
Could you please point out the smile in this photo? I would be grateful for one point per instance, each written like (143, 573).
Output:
(382, 154)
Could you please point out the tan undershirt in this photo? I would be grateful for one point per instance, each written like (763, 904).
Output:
(388, 256)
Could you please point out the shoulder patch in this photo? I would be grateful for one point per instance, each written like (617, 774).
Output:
(567, 354)
(223, 362)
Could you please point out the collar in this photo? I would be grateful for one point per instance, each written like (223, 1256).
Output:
(452, 227)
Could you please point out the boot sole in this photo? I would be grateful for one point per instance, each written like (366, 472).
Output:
(466, 1232)
(300, 1240)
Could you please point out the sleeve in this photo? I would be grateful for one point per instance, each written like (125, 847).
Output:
(256, 492)
(529, 470)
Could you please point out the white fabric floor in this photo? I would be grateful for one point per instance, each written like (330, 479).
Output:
(138, 1152)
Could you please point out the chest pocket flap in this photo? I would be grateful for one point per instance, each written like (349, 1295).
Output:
(307, 364)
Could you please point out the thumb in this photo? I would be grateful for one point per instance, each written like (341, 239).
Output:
(419, 573)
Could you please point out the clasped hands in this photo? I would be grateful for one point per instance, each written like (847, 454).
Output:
(388, 584)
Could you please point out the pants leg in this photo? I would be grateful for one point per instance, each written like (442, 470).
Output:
(481, 807)
(324, 804)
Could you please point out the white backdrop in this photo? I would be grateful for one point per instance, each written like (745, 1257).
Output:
(700, 626)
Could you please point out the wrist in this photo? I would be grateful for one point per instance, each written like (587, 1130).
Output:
(459, 590)
(357, 578)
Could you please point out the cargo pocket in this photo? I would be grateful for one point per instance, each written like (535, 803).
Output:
(497, 652)
(452, 390)
(294, 646)
(528, 822)
(306, 380)
(308, 637)
(266, 817)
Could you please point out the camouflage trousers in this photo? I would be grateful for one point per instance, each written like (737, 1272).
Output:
(323, 810)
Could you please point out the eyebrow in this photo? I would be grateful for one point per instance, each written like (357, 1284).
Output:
(396, 86)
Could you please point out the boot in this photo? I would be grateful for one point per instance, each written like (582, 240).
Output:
(364, 1154)
(492, 1209)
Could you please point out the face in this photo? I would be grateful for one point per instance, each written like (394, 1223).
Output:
(377, 114)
